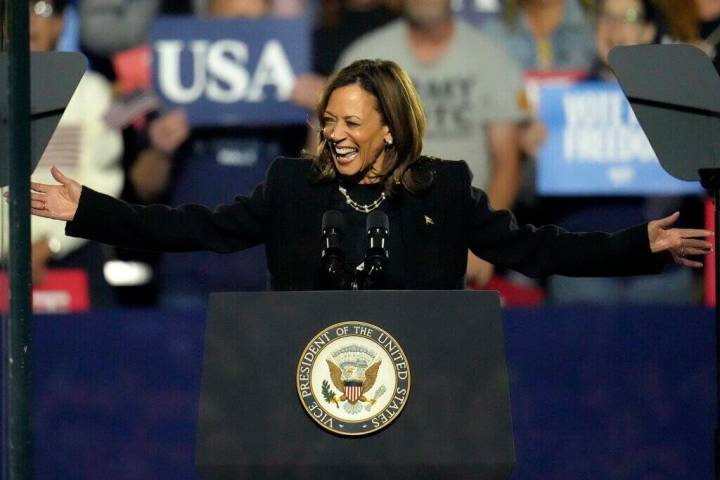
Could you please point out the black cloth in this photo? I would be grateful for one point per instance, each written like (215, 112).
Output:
(355, 236)
(433, 231)
(330, 41)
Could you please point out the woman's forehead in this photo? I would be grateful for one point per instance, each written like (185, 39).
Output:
(351, 100)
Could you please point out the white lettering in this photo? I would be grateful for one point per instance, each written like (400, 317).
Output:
(595, 108)
(229, 80)
(170, 76)
(273, 69)
(607, 145)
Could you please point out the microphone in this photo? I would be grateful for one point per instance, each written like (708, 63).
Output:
(377, 256)
(332, 258)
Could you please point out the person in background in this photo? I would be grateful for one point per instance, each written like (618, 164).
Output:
(470, 88)
(232, 159)
(696, 22)
(545, 34)
(341, 23)
(82, 144)
(709, 28)
(542, 35)
(620, 23)
(111, 26)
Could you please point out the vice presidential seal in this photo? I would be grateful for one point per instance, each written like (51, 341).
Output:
(353, 378)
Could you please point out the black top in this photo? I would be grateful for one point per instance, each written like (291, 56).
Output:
(432, 231)
(355, 237)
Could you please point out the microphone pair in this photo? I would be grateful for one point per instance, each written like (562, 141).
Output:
(370, 273)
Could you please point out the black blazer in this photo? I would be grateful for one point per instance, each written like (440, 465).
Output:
(286, 212)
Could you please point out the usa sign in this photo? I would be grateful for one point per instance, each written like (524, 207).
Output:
(230, 71)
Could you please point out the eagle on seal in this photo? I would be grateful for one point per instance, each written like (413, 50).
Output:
(353, 382)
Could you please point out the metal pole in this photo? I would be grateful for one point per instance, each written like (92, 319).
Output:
(19, 441)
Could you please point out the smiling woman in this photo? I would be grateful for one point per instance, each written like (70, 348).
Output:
(372, 124)
(356, 132)
(369, 158)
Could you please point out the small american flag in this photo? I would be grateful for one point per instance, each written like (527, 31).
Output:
(63, 150)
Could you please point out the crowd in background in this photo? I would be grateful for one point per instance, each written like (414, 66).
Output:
(156, 156)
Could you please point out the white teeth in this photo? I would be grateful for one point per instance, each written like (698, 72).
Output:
(344, 150)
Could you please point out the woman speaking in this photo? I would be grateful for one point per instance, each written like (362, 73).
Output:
(369, 159)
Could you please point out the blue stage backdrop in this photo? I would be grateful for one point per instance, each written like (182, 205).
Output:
(596, 393)
(596, 146)
(231, 71)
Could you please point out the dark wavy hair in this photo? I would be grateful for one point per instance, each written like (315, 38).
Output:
(401, 110)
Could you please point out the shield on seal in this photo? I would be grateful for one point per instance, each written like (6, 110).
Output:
(353, 391)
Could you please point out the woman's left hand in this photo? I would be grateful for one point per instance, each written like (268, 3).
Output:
(680, 242)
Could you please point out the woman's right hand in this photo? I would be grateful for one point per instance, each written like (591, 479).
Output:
(59, 202)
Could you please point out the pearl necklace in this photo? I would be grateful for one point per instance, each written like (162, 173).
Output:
(359, 207)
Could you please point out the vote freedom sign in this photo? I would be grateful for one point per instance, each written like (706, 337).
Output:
(230, 71)
(596, 146)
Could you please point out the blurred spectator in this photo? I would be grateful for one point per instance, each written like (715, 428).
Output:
(709, 26)
(208, 166)
(292, 8)
(83, 146)
(238, 9)
(542, 35)
(620, 22)
(545, 34)
(111, 26)
(696, 22)
(70, 38)
(341, 23)
(470, 89)
(612, 29)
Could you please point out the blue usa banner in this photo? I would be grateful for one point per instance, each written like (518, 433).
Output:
(596, 146)
(230, 71)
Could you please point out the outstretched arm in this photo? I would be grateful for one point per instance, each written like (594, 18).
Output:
(105, 219)
(495, 236)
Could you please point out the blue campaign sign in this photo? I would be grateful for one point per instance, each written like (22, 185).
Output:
(596, 146)
(230, 71)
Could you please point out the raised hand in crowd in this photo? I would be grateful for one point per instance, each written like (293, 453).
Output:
(307, 89)
(150, 173)
(169, 131)
(41, 254)
(532, 136)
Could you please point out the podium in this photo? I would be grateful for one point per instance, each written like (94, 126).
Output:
(454, 421)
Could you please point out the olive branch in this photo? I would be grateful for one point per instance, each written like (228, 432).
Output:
(327, 392)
